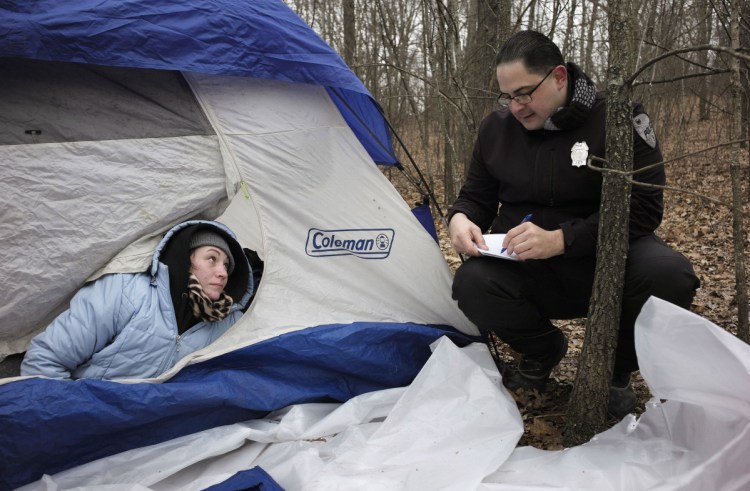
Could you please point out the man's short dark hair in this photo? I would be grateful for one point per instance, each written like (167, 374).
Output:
(537, 52)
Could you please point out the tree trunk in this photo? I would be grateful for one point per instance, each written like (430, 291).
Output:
(744, 26)
(479, 67)
(532, 14)
(704, 37)
(350, 33)
(588, 53)
(556, 13)
(445, 66)
(737, 198)
(567, 47)
(587, 413)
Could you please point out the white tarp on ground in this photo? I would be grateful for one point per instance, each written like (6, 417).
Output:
(455, 427)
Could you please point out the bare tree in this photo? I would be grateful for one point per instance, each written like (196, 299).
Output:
(502, 13)
(587, 413)
(744, 28)
(350, 33)
(479, 60)
(444, 67)
(737, 198)
(569, 31)
(704, 37)
(588, 53)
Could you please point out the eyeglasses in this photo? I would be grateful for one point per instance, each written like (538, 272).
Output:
(504, 99)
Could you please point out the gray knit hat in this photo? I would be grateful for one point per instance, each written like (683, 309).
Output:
(208, 237)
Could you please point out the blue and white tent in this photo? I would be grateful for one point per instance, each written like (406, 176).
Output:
(119, 119)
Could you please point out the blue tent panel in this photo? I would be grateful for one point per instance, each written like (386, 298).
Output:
(255, 479)
(370, 128)
(52, 425)
(424, 215)
(261, 38)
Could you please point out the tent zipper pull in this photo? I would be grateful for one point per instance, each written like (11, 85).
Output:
(177, 338)
(244, 190)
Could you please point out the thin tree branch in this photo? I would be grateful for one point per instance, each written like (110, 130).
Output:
(703, 47)
(681, 58)
(679, 157)
(626, 176)
(681, 77)
(423, 79)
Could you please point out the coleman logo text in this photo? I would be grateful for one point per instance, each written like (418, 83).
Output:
(365, 243)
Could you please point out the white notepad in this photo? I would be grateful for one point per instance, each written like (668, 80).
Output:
(495, 244)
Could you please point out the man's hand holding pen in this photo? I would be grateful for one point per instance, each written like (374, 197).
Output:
(529, 241)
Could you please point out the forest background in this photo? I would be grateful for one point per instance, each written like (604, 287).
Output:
(430, 64)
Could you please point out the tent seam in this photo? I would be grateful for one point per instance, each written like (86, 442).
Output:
(222, 137)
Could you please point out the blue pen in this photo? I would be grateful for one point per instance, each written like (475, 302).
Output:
(527, 218)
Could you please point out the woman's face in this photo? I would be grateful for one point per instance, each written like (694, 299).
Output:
(209, 264)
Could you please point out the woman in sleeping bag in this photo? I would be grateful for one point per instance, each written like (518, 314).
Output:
(138, 325)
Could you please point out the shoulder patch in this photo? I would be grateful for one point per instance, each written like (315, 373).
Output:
(643, 127)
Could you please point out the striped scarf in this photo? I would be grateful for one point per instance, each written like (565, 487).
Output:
(203, 307)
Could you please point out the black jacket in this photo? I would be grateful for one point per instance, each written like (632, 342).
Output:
(531, 172)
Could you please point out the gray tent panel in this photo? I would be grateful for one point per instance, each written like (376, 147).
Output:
(53, 102)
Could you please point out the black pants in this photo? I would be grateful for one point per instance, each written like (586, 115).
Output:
(517, 299)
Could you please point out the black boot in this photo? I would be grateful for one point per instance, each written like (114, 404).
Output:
(622, 398)
(534, 370)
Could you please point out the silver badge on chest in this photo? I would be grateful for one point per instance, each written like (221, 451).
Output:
(579, 154)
